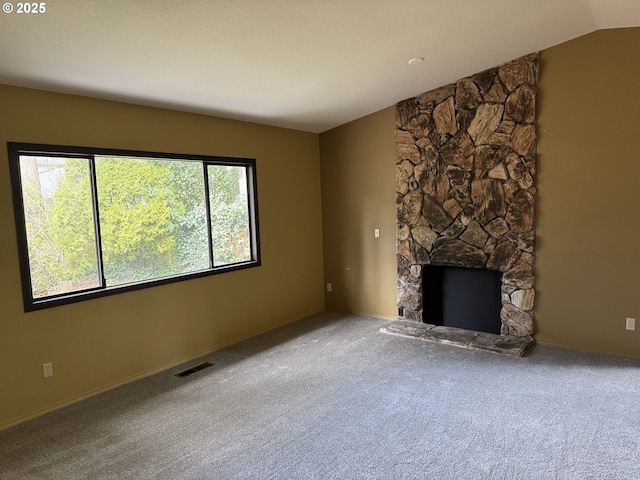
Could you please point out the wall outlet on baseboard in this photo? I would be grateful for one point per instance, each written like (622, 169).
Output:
(47, 369)
(631, 323)
(329, 287)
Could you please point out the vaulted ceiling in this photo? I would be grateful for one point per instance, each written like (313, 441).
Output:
(304, 64)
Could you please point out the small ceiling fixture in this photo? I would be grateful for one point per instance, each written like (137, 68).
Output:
(416, 60)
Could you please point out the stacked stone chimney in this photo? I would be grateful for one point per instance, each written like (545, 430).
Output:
(465, 186)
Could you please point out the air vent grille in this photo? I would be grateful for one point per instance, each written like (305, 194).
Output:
(186, 373)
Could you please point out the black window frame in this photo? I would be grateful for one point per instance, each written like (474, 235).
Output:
(17, 149)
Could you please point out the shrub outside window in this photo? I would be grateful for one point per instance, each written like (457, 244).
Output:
(93, 222)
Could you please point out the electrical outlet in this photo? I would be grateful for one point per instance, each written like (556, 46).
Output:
(631, 323)
(329, 287)
(47, 370)
(376, 233)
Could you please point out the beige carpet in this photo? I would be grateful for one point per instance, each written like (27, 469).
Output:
(330, 397)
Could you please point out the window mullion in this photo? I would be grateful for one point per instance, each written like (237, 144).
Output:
(96, 220)
(205, 172)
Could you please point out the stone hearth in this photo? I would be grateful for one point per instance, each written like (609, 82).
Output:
(504, 344)
(465, 186)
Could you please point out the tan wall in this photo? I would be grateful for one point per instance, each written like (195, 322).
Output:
(588, 260)
(100, 343)
(588, 213)
(358, 188)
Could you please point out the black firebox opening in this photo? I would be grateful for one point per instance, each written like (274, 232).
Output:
(460, 297)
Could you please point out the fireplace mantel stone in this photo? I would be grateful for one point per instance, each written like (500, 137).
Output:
(465, 186)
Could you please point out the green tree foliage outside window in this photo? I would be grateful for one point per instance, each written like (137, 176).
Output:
(59, 224)
(152, 215)
(229, 213)
(143, 210)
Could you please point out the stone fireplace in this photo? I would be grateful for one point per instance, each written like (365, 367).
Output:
(465, 186)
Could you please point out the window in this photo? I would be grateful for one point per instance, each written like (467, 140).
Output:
(93, 222)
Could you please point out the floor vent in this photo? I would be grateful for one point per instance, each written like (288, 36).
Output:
(186, 373)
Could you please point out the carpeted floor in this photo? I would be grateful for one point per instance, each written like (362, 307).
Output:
(330, 397)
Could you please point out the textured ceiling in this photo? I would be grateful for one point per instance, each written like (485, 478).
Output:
(309, 65)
